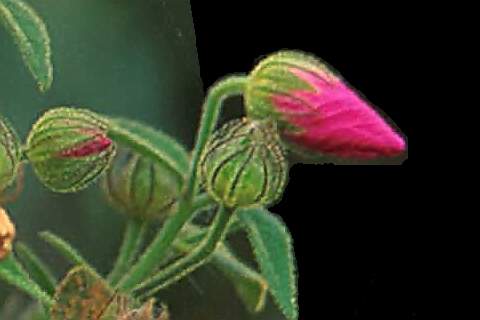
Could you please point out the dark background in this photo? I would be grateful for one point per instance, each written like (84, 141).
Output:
(356, 228)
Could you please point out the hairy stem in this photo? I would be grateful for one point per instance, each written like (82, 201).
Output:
(228, 87)
(158, 249)
(132, 242)
(194, 259)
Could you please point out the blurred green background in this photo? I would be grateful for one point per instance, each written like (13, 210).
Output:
(122, 57)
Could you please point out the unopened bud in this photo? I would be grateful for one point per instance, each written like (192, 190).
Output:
(69, 148)
(141, 187)
(316, 111)
(243, 164)
(10, 154)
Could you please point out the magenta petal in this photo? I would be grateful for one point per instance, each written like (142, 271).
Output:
(98, 144)
(333, 119)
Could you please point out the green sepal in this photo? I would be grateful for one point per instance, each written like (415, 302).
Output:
(141, 187)
(10, 154)
(243, 164)
(273, 77)
(69, 148)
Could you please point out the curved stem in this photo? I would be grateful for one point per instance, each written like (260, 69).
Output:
(194, 259)
(230, 86)
(131, 245)
(158, 249)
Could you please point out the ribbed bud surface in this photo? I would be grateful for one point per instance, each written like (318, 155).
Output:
(141, 187)
(69, 148)
(243, 164)
(10, 154)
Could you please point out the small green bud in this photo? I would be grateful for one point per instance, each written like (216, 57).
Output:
(243, 164)
(141, 187)
(69, 148)
(10, 154)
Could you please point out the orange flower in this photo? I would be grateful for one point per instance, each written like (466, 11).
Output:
(7, 234)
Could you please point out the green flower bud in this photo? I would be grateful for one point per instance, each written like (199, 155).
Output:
(10, 154)
(69, 148)
(243, 164)
(141, 187)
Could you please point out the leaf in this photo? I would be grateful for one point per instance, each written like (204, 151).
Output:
(38, 270)
(82, 295)
(250, 286)
(151, 143)
(12, 273)
(273, 250)
(31, 36)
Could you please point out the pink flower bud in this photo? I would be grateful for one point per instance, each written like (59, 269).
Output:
(316, 110)
(69, 148)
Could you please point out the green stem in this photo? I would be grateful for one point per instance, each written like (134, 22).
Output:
(158, 249)
(251, 287)
(131, 245)
(194, 259)
(218, 93)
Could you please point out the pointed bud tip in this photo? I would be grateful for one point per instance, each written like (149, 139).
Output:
(316, 110)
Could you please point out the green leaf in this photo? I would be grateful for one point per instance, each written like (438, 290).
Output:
(31, 36)
(12, 273)
(150, 143)
(250, 286)
(273, 250)
(38, 270)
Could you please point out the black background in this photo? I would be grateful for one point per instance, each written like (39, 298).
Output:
(356, 228)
